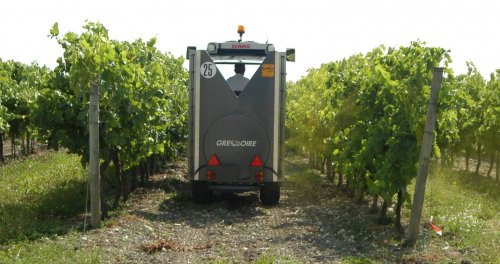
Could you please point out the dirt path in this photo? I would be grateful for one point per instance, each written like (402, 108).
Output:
(7, 148)
(309, 225)
(483, 168)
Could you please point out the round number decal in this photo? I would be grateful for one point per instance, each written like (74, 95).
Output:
(208, 69)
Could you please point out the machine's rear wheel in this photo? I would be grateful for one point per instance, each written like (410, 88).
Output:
(201, 192)
(270, 193)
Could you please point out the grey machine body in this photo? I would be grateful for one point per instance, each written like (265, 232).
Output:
(236, 129)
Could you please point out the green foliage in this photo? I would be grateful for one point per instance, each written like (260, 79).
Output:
(489, 130)
(37, 193)
(468, 113)
(5, 86)
(468, 106)
(19, 86)
(143, 97)
(368, 112)
(309, 112)
(54, 31)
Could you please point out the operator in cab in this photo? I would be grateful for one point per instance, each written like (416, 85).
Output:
(238, 81)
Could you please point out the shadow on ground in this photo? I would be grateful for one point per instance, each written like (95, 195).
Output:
(178, 207)
(45, 216)
(312, 214)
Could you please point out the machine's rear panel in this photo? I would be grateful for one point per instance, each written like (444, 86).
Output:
(236, 128)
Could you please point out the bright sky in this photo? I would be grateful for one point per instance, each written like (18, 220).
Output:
(320, 31)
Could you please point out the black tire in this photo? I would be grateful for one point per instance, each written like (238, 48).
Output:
(270, 193)
(201, 192)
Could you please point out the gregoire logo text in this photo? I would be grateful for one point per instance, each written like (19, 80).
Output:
(236, 143)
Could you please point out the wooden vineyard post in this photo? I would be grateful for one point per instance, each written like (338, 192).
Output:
(95, 181)
(425, 151)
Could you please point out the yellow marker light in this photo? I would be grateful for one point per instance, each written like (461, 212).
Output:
(259, 176)
(241, 29)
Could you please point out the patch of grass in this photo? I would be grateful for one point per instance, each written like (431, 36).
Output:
(268, 258)
(305, 181)
(38, 193)
(49, 251)
(468, 208)
(359, 260)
